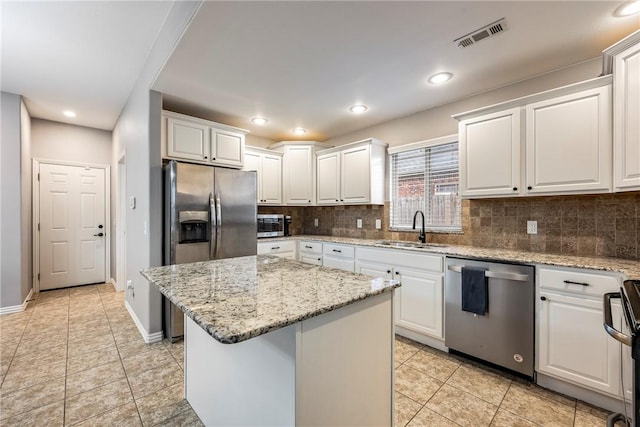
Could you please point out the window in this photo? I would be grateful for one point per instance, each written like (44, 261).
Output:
(426, 179)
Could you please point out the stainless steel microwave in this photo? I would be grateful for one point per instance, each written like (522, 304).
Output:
(273, 225)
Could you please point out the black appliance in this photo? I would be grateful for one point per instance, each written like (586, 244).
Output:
(630, 300)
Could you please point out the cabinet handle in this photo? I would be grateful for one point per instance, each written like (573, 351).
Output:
(571, 282)
(308, 247)
(515, 188)
(529, 188)
(543, 298)
(342, 200)
(337, 250)
(275, 247)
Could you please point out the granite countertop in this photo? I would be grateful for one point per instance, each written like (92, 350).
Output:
(630, 268)
(237, 299)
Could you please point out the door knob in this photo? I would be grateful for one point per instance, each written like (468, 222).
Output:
(99, 234)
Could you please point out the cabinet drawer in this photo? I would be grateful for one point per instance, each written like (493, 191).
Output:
(310, 247)
(422, 261)
(339, 251)
(265, 248)
(339, 263)
(584, 282)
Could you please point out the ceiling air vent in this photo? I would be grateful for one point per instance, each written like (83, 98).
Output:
(474, 37)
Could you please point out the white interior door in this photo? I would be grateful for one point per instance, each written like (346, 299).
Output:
(72, 216)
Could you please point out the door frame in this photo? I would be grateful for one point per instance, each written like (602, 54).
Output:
(35, 187)
(121, 221)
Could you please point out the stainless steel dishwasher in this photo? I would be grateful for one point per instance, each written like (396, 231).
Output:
(504, 335)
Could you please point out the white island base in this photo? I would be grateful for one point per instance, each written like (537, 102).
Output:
(333, 369)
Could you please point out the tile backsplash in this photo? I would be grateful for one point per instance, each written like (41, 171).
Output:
(590, 225)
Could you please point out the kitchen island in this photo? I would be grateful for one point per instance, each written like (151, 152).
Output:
(271, 341)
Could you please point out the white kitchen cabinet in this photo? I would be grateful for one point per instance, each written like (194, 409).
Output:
(568, 142)
(310, 252)
(625, 64)
(419, 302)
(553, 142)
(338, 256)
(268, 165)
(352, 174)
(490, 154)
(281, 248)
(299, 171)
(202, 141)
(569, 323)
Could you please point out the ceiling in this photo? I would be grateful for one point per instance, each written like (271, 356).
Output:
(83, 56)
(296, 63)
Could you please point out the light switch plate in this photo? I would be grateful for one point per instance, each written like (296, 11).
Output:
(132, 202)
(359, 223)
(532, 227)
(378, 224)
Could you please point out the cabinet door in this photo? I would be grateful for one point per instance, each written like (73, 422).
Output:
(187, 140)
(490, 154)
(572, 344)
(626, 111)
(568, 142)
(374, 270)
(271, 179)
(355, 172)
(419, 302)
(328, 167)
(227, 148)
(253, 162)
(298, 175)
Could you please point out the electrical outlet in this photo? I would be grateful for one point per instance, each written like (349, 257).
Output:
(378, 224)
(532, 227)
(315, 222)
(359, 223)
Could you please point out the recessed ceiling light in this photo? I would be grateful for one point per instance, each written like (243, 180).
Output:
(299, 131)
(629, 8)
(439, 78)
(358, 109)
(69, 113)
(259, 121)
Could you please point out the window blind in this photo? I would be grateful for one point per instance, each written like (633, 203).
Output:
(426, 179)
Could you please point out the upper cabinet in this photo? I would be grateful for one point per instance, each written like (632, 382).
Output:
(623, 59)
(352, 174)
(202, 141)
(554, 142)
(268, 165)
(298, 171)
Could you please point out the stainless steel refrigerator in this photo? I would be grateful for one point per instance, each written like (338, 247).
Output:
(210, 213)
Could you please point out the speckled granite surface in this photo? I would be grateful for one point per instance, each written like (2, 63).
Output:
(237, 299)
(630, 268)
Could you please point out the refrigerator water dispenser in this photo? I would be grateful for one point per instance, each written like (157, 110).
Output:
(194, 226)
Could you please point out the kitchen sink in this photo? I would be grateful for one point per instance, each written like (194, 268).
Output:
(417, 245)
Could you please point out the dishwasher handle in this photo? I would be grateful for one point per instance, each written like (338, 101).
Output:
(495, 274)
(608, 320)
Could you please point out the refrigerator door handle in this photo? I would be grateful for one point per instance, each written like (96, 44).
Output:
(213, 242)
(218, 222)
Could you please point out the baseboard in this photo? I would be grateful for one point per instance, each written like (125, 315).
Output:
(147, 337)
(17, 308)
(603, 401)
(422, 339)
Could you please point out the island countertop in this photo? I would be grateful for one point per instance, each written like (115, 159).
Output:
(236, 299)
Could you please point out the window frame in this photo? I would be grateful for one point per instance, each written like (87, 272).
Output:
(416, 146)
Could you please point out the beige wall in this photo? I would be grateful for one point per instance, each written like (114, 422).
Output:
(437, 121)
(258, 141)
(60, 141)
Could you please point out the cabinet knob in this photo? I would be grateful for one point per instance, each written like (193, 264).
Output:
(205, 157)
(388, 271)
(337, 200)
(213, 158)
(397, 273)
(309, 201)
(529, 188)
(543, 298)
(515, 188)
(342, 200)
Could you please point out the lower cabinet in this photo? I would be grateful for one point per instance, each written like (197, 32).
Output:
(572, 343)
(281, 248)
(338, 256)
(419, 302)
(310, 252)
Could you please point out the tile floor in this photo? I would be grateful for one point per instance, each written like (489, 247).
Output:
(75, 357)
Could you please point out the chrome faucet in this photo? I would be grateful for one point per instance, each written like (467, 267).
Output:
(423, 235)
